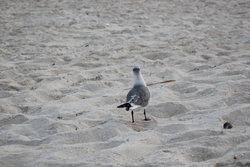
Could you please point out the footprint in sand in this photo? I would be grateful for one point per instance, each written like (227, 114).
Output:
(166, 110)
(16, 119)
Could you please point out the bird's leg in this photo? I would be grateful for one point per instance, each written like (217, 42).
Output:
(146, 119)
(132, 113)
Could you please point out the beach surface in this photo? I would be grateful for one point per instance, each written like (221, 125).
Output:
(65, 66)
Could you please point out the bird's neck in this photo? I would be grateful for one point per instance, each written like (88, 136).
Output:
(138, 80)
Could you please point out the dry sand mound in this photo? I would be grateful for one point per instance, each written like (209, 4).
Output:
(66, 65)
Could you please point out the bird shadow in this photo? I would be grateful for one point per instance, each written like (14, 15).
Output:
(142, 125)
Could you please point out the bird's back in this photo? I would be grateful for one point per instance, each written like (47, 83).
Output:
(138, 95)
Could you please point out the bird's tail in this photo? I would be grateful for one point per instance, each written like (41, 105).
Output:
(127, 105)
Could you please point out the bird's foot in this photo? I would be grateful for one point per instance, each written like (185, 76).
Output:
(147, 119)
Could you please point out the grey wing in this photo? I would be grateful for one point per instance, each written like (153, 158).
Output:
(132, 97)
(138, 95)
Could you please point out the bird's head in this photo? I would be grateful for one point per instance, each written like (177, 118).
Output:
(136, 70)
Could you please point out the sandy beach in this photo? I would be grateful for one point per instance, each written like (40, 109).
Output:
(65, 66)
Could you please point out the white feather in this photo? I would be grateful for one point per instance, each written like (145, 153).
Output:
(139, 79)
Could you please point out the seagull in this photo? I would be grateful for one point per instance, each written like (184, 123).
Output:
(138, 96)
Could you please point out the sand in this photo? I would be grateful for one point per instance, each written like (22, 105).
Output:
(66, 65)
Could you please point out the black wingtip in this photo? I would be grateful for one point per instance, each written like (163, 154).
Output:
(121, 106)
(127, 105)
